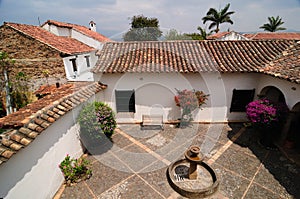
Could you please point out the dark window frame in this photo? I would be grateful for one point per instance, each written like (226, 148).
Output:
(125, 101)
(74, 64)
(87, 60)
(240, 99)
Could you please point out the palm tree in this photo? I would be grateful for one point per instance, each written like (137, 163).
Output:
(273, 25)
(218, 17)
(203, 32)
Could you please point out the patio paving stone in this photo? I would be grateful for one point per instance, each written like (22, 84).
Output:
(137, 168)
(268, 181)
(158, 180)
(217, 132)
(134, 149)
(258, 192)
(78, 191)
(134, 187)
(120, 141)
(231, 185)
(284, 171)
(135, 161)
(241, 163)
(99, 182)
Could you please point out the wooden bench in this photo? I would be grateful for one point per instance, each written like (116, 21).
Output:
(152, 120)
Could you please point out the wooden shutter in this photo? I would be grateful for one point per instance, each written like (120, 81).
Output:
(125, 100)
(240, 99)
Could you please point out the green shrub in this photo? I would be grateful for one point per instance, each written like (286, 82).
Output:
(75, 170)
(97, 118)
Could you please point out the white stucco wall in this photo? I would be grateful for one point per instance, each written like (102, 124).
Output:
(83, 72)
(33, 172)
(87, 40)
(66, 32)
(233, 36)
(291, 91)
(154, 93)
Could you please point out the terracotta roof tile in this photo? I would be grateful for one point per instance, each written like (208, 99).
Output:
(41, 118)
(188, 56)
(82, 29)
(286, 66)
(274, 35)
(218, 35)
(65, 45)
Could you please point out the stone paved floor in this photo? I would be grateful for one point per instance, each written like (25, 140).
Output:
(134, 164)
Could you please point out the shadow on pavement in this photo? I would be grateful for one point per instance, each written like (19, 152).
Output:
(275, 165)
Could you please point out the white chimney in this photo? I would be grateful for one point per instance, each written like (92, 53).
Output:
(92, 26)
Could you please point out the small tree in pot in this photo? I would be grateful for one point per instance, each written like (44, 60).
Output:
(189, 100)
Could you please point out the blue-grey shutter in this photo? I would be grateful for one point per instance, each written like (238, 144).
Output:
(125, 100)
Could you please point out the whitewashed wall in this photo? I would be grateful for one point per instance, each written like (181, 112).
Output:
(87, 40)
(65, 32)
(33, 172)
(233, 36)
(83, 72)
(68, 32)
(154, 93)
(291, 91)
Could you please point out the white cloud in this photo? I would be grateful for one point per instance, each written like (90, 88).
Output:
(112, 16)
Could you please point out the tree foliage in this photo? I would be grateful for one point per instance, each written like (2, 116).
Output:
(175, 35)
(273, 24)
(204, 33)
(218, 17)
(143, 29)
(16, 87)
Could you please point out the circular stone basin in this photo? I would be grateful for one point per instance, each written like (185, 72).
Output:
(205, 184)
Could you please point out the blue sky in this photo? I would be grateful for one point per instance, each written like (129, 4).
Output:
(113, 16)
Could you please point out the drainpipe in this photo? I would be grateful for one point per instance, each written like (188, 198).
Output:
(8, 98)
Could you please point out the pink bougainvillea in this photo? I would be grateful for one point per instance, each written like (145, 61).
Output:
(264, 112)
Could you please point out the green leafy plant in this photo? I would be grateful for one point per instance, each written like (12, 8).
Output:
(97, 118)
(75, 170)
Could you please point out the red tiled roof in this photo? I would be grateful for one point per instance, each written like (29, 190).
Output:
(63, 44)
(46, 89)
(84, 30)
(33, 119)
(217, 35)
(286, 66)
(273, 35)
(188, 56)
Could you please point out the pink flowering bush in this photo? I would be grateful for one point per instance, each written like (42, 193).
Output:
(263, 112)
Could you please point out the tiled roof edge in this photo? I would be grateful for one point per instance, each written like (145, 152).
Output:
(8, 24)
(15, 140)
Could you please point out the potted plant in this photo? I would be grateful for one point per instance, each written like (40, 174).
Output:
(267, 117)
(189, 100)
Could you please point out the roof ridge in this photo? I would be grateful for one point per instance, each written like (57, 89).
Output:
(44, 36)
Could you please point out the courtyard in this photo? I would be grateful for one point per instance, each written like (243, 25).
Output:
(133, 164)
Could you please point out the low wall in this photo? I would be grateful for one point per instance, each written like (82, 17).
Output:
(33, 172)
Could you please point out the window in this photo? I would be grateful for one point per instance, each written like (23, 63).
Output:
(240, 99)
(87, 59)
(74, 64)
(125, 101)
